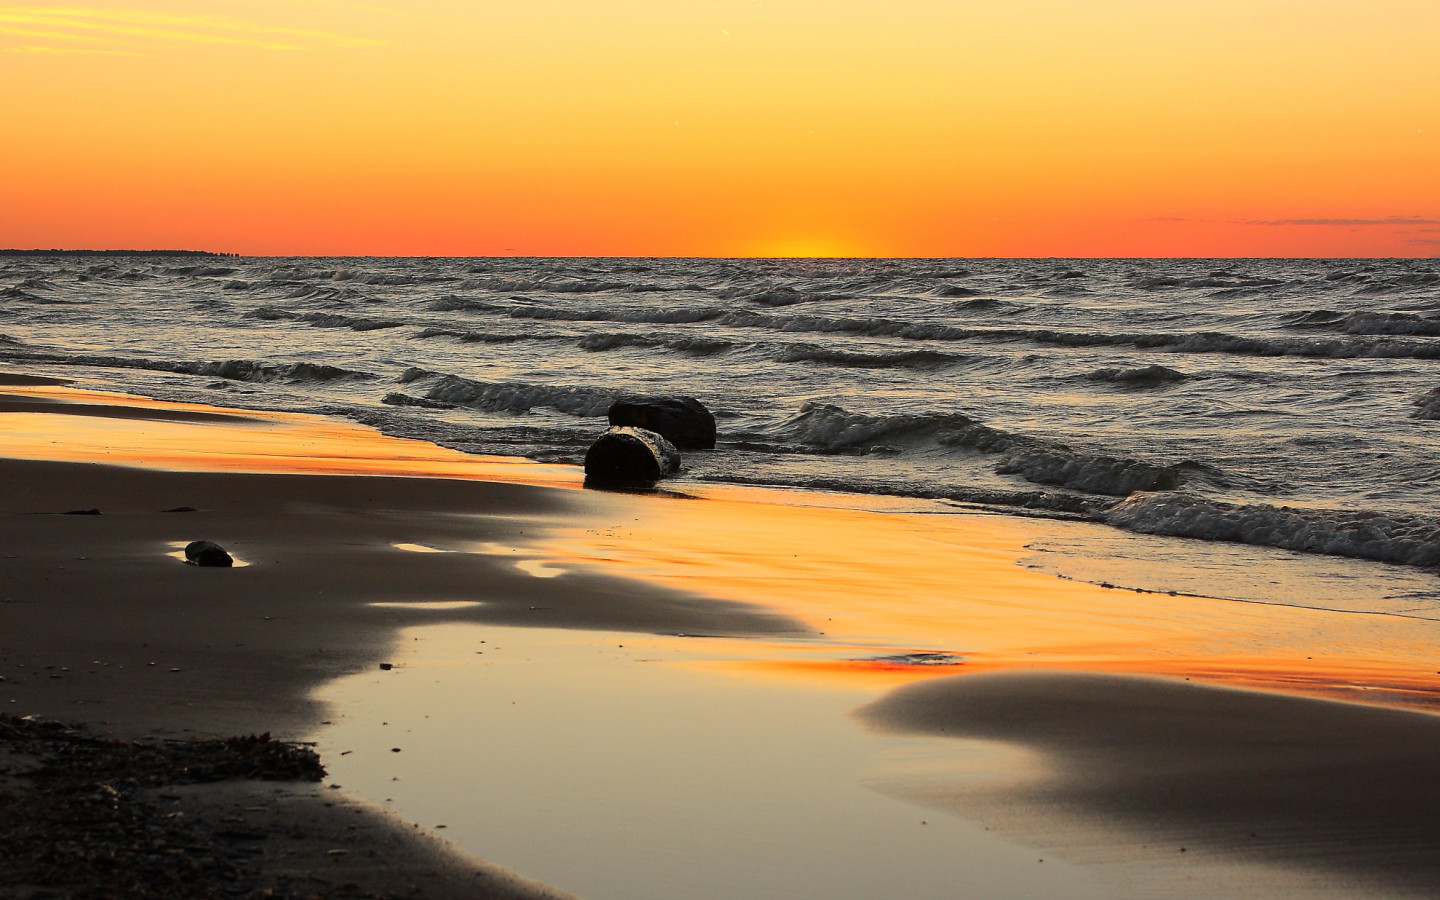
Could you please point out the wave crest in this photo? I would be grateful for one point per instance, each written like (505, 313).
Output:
(1407, 539)
(512, 397)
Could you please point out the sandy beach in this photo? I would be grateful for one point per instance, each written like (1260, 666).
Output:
(1269, 763)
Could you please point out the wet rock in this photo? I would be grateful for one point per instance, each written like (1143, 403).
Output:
(630, 457)
(207, 553)
(683, 421)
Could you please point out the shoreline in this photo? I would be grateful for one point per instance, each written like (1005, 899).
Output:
(106, 627)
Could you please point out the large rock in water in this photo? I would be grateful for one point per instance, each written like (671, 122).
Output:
(683, 421)
(630, 457)
(207, 553)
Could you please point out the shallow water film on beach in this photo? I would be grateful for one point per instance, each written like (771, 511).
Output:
(600, 763)
(1281, 403)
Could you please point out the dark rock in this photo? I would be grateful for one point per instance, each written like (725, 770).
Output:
(179, 509)
(81, 512)
(683, 421)
(207, 553)
(625, 457)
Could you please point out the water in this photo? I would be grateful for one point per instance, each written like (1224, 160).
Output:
(1286, 403)
(600, 763)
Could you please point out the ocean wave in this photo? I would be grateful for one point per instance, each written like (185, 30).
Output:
(354, 323)
(200, 271)
(1089, 473)
(1427, 405)
(1175, 342)
(954, 290)
(231, 369)
(330, 292)
(1218, 279)
(395, 398)
(1313, 318)
(512, 397)
(1397, 538)
(1391, 323)
(681, 316)
(482, 337)
(1402, 282)
(827, 428)
(453, 303)
(787, 296)
(1366, 322)
(388, 279)
(1141, 377)
(692, 346)
(900, 359)
(552, 286)
(272, 314)
(250, 370)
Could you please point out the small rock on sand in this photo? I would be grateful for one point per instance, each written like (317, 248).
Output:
(207, 553)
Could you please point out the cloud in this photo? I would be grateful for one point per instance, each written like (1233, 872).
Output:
(129, 27)
(1431, 242)
(1391, 221)
(75, 50)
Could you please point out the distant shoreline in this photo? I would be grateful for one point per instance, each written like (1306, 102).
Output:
(113, 253)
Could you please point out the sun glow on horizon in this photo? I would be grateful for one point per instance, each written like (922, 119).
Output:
(794, 128)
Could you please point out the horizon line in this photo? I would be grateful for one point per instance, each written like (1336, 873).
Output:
(16, 251)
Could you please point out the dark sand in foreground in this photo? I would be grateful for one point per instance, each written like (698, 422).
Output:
(101, 624)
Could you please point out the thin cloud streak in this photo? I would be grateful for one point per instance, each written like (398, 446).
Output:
(89, 24)
(1392, 221)
(71, 51)
(48, 35)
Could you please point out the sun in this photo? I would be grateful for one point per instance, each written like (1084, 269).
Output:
(805, 247)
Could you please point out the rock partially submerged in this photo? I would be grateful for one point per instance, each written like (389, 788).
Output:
(207, 553)
(683, 421)
(630, 457)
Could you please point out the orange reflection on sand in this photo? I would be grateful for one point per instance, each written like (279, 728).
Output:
(875, 586)
(68, 425)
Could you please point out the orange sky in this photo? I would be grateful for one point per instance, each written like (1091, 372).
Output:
(724, 127)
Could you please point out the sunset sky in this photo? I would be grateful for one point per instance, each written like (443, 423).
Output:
(724, 128)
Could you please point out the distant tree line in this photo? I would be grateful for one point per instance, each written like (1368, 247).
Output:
(113, 253)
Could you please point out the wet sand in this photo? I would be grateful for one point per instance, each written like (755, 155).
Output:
(1346, 791)
(100, 623)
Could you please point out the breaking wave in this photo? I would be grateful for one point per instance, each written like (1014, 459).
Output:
(1407, 539)
(826, 428)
